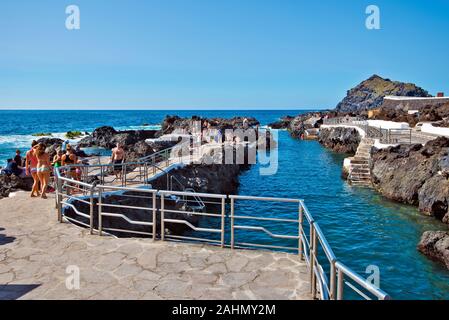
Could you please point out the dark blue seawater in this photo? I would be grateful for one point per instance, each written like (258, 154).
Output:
(362, 227)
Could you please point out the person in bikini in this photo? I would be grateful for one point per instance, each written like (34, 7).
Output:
(69, 159)
(43, 168)
(31, 168)
(117, 158)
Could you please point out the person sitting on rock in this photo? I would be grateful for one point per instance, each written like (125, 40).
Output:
(13, 168)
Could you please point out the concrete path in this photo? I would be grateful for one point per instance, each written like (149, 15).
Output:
(36, 252)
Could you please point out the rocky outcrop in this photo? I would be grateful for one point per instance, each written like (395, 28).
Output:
(14, 183)
(107, 137)
(416, 175)
(435, 245)
(283, 123)
(299, 124)
(340, 139)
(172, 123)
(133, 141)
(428, 113)
(214, 178)
(370, 94)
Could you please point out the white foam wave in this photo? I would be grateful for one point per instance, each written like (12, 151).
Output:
(24, 140)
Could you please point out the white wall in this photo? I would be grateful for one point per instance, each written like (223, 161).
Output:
(429, 128)
(388, 124)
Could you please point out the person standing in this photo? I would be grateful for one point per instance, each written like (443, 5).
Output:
(31, 168)
(117, 159)
(69, 159)
(245, 123)
(64, 146)
(18, 159)
(43, 168)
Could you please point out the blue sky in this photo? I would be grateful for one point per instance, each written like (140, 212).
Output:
(210, 54)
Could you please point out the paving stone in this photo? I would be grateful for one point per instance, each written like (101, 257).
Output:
(172, 289)
(112, 268)
(237, 279)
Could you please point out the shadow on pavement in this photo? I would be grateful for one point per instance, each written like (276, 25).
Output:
(15, 291)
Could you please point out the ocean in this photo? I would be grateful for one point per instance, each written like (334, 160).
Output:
(363, 228)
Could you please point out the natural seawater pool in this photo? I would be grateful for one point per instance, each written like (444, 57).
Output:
(362, 227)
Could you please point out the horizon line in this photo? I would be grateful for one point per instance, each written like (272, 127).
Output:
(156, 109)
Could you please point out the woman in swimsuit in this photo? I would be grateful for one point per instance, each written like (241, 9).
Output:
(43, 168)
(31, 168)
(69, 159)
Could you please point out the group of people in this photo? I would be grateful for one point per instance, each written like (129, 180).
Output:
(39, 166)
(210, 134)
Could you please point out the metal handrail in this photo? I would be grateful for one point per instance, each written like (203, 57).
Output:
(327, 287)
(308, 246)
(386, 136)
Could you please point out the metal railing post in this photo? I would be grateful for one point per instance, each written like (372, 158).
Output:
(100, 209)
(124, 174)
(312, 259)
(232, 223)
(333, 277)
(145, 172)
(91, 209)
(162, 217)
(59, 197)
(340, 285)
(223, 212)
(154, 216)
(300, 230)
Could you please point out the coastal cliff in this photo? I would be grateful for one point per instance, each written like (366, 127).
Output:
(416, 175)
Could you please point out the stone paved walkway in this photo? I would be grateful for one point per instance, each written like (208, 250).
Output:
(35, 252)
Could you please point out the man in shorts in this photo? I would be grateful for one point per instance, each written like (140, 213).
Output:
(117, 158)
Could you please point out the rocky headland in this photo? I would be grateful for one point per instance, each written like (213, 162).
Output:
(367, 95)
(412, 174)
(370, 94)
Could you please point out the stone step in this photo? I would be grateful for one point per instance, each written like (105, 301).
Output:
(366, 182)
(365, 171)
(364, 151)
(364, 163)
(361, 181)
(359, 176)
(363, 154)
(355, 173)
(357, 160)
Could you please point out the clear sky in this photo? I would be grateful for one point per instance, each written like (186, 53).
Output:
(214, 54)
